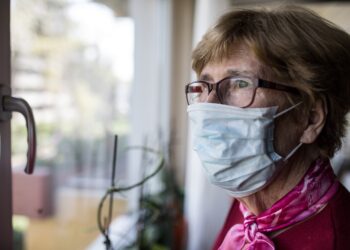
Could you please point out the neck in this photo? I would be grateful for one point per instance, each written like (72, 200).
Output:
(291, 172)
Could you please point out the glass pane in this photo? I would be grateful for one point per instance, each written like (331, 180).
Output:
(72, 60)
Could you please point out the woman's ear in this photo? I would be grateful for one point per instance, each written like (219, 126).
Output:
(317, 119)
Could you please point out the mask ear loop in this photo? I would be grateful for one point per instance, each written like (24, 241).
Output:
(286, 110)
(300, 144)
(292, 152)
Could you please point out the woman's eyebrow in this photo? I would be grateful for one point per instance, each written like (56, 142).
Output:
(229, 72)
(233, 72)
(205, 77)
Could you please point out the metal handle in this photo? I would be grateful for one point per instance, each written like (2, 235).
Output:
(20, 105)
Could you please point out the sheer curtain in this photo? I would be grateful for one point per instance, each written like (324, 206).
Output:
(206, 206)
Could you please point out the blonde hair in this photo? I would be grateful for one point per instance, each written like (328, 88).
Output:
(295, 46)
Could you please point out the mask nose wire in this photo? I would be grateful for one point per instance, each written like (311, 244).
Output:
(286, 110)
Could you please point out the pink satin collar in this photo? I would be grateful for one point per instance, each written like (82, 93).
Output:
(312, 193)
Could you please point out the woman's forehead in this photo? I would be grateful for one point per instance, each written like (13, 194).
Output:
(240, 62)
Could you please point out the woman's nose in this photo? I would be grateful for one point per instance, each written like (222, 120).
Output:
(212, 97)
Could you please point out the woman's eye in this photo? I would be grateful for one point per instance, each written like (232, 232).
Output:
(242, 83)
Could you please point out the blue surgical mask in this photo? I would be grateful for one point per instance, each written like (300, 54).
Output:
(235, 145)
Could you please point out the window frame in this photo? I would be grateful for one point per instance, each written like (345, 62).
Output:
(6, 230)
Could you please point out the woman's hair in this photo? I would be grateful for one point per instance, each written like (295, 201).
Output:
(295, 46)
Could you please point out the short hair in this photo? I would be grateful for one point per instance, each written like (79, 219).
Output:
(296, 46)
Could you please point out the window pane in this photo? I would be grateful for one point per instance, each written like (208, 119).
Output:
(72, 61)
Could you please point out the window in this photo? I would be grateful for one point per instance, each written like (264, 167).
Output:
(73, 62)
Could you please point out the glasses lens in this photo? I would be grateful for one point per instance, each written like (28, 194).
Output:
(197, 92)
(237, 92)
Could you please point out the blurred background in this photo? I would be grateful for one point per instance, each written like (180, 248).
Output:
(91, 69)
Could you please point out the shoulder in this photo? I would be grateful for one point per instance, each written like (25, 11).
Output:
(340, 213)
(329, 229)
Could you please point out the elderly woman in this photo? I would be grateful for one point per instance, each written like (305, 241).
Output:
(267, 112)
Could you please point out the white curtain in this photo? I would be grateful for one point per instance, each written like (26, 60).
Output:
(206, 206)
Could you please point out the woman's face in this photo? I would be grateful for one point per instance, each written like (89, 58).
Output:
(244, 63)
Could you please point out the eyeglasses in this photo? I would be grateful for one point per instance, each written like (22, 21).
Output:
(234, 91)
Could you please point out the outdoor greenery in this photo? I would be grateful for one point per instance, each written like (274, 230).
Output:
(68, 83)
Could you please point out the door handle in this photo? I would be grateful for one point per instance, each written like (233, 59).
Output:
(11, 104)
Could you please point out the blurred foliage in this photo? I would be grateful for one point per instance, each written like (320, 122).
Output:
(161, 223)
(120, 7)
(18, 240)
(20, 225)
(74, 96)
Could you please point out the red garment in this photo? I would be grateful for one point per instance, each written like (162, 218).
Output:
(329, 229)
(307, 198)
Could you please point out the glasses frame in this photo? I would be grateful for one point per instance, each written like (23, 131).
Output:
(261, 84)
